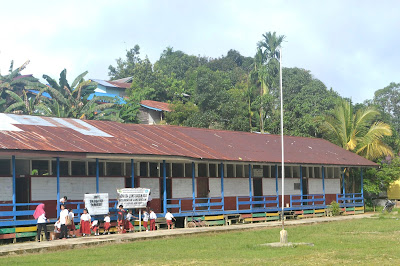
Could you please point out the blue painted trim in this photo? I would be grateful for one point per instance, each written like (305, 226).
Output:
(222, 186)
(343, 182)
(152, 108)
(58, 184)
(362, 183)
(97, 175)
(14, 177)
(165, 186)
(323, 182)
(276, 180)
(132, 173)
(193, 186)
(250, 192)
(301, 182)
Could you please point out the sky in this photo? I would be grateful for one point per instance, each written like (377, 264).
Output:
(351, 46)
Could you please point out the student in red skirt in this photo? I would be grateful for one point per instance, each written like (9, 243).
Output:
(128, 224)
(85, 223)
(145, 220)
(107, 224)
(153, 218)
(95, 227)
(71, 227)
(121, 219)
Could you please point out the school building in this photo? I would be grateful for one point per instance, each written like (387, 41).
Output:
(191, 171)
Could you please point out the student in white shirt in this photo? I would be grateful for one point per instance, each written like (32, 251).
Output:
(63, 200)
(145, 220)
(153, 217)
(107, 224)
(128, 224)
(63, 219)
(71, 227)
(85, 223)
(95, 227)
(169, 217)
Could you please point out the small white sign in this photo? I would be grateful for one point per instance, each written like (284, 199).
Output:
(97, 204)
(133, 198)
(257, 172)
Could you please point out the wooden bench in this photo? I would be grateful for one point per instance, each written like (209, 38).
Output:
(232, 218)
(18, 232)
(214, 220)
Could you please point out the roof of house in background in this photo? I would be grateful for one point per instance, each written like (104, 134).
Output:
(123, 80)
(24, 135)
(112, 84)
(157, 106)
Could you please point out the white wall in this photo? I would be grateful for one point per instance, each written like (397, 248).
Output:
(45, 188)
(269, 186)
(332, 186)
(6, 189)
(153, 184)
(181, 188)
(236, 187)
(315, 186)
(215, 187)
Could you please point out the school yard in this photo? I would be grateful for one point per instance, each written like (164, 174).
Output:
(368, 241)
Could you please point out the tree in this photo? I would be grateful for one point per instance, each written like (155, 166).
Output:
(124, 68)
(268, 54)
(72, 101)
(358, 132)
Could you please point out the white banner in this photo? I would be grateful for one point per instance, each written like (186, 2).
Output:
(97, 204)
(133, 198)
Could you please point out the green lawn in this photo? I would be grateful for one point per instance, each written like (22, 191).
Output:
(366, 241)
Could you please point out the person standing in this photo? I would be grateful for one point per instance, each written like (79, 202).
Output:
(71, 227)
(169, 217)
(107, 224)
(40, 216)
(153, 218)
(85, 223)
(121, 219)
(145, 220)
(63, 220)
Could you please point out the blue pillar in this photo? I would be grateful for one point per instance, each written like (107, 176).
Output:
(193, 186)
(132, 173)
(14, 198)
(362, 184)
(301, 183)
(276, 181)
(58, 184)
(222, 186)
(343, 183)
(165, 186)
(250, 192)
(97, 175)
(323, 182)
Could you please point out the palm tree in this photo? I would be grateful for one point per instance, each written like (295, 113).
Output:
(24, 104)
(358, 132)
(268, 68)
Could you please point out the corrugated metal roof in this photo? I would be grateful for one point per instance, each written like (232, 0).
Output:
(104, 83)
(33, 133)
(158, 106)
(121, 85)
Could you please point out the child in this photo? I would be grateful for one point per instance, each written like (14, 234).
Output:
(169, 217)
(85, 223)
(153, 218)
(121, 219)
(107, 224)
(95, 227)
(145, 220)
(63, 200)
(57, 229)
(71, 227)
(128, 224)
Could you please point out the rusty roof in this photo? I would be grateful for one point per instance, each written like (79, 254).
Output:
(122, 85)
(156, 105)
(66, 135)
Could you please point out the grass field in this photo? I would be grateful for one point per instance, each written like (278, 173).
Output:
(364, 241)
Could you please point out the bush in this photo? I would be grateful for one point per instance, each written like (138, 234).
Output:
(334, 208)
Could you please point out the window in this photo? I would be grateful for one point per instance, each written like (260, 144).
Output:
(229, 169)
(92, 168)
(167, 168)
(63, 168)
(188, 170)
(288, 171)
(296, 171)
(177, 170)
(317, 172)
(114, 169)
(239, 170)
(40, 167)
(202, 169)
(273, 171)
(213, 170)
(154, 169)
(246, 170)
(5, 167)
(266, 172)
(78, 168)
(143, 169)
